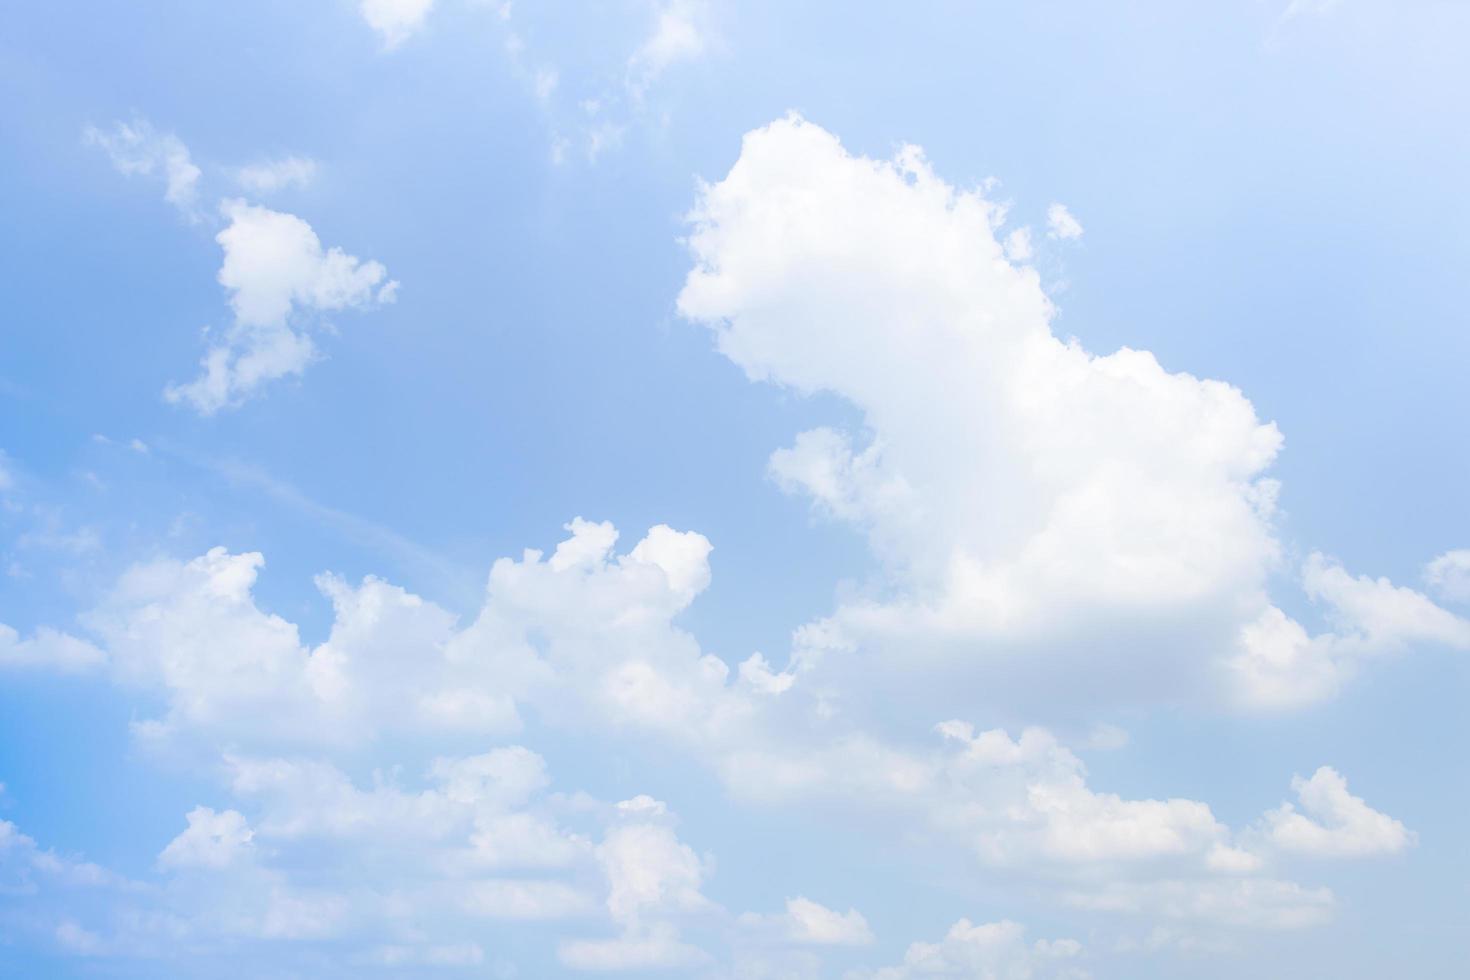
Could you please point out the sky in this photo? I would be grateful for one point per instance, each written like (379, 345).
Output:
(749, 491)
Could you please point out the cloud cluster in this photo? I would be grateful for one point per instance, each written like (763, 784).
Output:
(585, 639)
(1054, 527)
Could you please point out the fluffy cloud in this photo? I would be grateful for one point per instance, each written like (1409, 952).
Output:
(49, 649)
(1280, 664)
(1328, 821)
(652, 879)
(385, 861)
(1026, 799)
(810, 923)
(276, 272)
(991, 951)
(192, 631)
(1449, 575)
(212, 840)
(395, 20)
(1017, 245)
(586, 635)
(26, 868)
(1061, 224)
(1034, 504)
(137, 148)
(43, 895)
(676, 37)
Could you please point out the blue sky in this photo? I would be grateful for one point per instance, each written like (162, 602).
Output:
(996, 474)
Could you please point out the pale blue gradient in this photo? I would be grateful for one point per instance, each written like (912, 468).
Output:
(1280, 204)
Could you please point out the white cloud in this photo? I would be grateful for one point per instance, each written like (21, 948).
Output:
(653, 879)
(277, 274)
(649, 871)
(1058, 523)
(394, 872)
(275, 263)
(395, 20)
(49, 649)
(811, 923)
(271, 176)
(991, 950)
(212, 840)
(28, 870)
(137, 148)
(192, 630)
(1331, 822)
(1061, 224)
(1026, 800)
(1280, 664)
(676, 37)
(1377, 613)
(477, 815)
(756, 672)
(1018, 245)
(275, 271)
(1448, 575)
(395, 662)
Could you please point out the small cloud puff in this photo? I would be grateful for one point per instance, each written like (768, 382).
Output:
(395, 20)
(270, 176)
(1448, 576)
(1061, 224)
